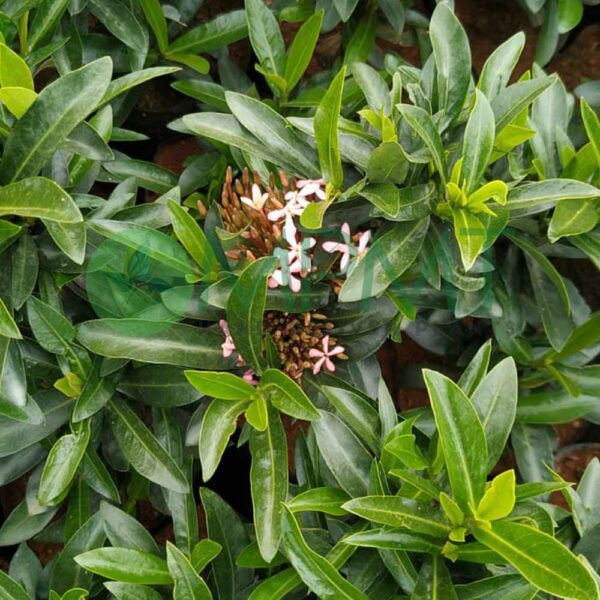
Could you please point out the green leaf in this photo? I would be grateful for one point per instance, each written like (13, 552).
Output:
(462, 438)
(572, 217)
(478, 143)
(265, 37)
(389, 256)
(245, 308)
(127, 565)
(47, 16)
(208, 92)
(58, 109)
(96, 392)
(124, 531)
(422, 123)
(538, 196)
(70, 238)
(154, 342)
(500, 64)
(14, 71)
(323, 499)
(388, 164)
(19, 526)
(61, 466)
(273, 130)
(347, 459)
(197, 63)
(131, 591)
(452, 60)
(476, 369)
(121, 22)
(591, 123)
(53, 332)
(225, 527)
(582, 337)
(470, 235)
(397, 511)
(514, 99)
(268, 483)
(540, 558)
(326, 131)
(434, 581)
(17, 100)
(218, 425)
(8, 327)
(224, 386)
(287, 395)
(301, 50)
(223, 30)
(383, 196)
(147, 456)
(204, 552)
(126, 82)
(192, 237)
(154, 15)
(24, 270)
(148, 175)
(499, 499)
(373, 86)
(316, 572)
(495, 400)
(569, 14)
(40, 198)
(188, 584)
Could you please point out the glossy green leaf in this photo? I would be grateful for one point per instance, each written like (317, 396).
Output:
(387, 258)
(19, 526)
(126, 82)
(50, 328)
(188, 584)
(268, 483)
(142, 449)
(131, 591)
(591, 123)
(452, 60)
(265, 37)
(11, 589)
(434, 581)
(193, 239)
(47, 15)
(58, 109)
(461, 436)
(154, 15)
(223, 30)
(570, 13)
(301, 50)
(8, 327)
(14, 71)
(218, 425)
(495, 400)
(347, 459)
(124, 531)
(121, 22)
(499, 65)
(316, 571)
(127, 565)
(470, 235)
(423, 125)
(245, 309)
(499, 499)
(540, 558)
(40, 198)
(397, 511)
(322, 499)
(17, 99)
(477, 144)
(61, 466)
(287, 395)
(224, 386)
(326, 131)
(154, 342)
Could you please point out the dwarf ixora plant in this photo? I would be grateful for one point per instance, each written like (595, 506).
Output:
(155, 328)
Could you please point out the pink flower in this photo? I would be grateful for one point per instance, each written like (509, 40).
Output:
(228, 345)
(294, 207)
(324, 356)
(285, 276)
(249, 377)
(308, 187)
(348, 249)
(258, 199)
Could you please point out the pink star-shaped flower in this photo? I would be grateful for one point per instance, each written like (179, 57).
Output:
(294, 207)
(344, 249)
(308, 187)
(258, 200)
(228, 345)
(324, 356)
(249, 377)
(278, 277)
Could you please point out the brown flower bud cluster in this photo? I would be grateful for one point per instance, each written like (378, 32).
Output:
(258, 236)
(295, 335)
